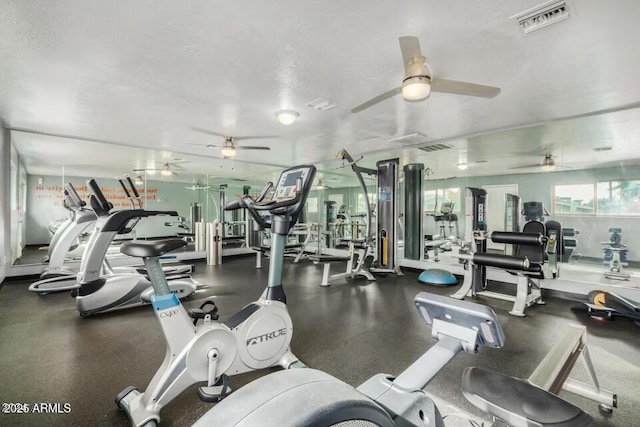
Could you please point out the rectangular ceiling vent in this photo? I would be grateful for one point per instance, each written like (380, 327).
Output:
(411, 139)
(322, 104)
(542, 15)
(435, 147)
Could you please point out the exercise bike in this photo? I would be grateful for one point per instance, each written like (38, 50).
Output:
(256, 337)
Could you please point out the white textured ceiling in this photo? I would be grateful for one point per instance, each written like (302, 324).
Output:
(146, 73)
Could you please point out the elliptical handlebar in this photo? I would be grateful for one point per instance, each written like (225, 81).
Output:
(126, 191)
(133, 187)
(99, 195)
(72, 198)
(124, 187)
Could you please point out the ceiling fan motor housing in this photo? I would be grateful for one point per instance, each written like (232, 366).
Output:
(416, 85)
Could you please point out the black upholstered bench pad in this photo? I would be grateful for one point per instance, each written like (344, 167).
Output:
(511, 398)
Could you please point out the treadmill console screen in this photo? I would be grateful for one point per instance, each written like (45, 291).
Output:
(286, 188)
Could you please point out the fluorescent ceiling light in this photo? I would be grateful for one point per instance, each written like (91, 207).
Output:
(287, 117)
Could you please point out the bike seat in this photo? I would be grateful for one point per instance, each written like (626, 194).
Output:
(150, 248)
(518, 402)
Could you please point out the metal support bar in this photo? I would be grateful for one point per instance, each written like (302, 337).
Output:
(423, 370)
(553, 372)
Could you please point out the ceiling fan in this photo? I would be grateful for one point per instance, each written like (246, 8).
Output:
(321, 186)
(229, 146)
(418, 83)
(547, 164)
(167, 169)
(197, 186)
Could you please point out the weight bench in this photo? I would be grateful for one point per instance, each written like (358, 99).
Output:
(355, 264)
(519, 402)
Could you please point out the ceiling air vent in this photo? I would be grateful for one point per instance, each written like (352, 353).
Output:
(435, 147)
(542, 15)
(411, 139)
(322, 104)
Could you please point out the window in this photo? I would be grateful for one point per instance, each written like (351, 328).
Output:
(433, 199)
(607, 198)
(619, 198)
(574, 199)
(362, 208)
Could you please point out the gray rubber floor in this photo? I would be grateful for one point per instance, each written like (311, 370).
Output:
(49, 354)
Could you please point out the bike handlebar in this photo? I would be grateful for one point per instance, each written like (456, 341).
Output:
(253, 206)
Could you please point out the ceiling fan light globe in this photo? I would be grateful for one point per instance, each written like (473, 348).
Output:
(416, 88)
(228, 152)
(287, 117)
(166, 172)
(548, 164)
(138, 180)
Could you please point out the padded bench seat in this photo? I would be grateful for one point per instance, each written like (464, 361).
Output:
(328, 258)
(518, 402)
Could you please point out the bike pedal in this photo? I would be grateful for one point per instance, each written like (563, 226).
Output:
(216, 392)
(202, 312)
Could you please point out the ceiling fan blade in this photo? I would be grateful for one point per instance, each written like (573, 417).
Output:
(382, 97)
(252, 147)
(210, 132)
(242, 138)
(537, 165)
(176, 166)
(464, 88)
(410, 47)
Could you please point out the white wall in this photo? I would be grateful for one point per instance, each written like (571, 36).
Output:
(5, 195)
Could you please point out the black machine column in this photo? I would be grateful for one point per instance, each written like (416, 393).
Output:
(475, 220)
(387, 217)
(330, 217)
(413, 207)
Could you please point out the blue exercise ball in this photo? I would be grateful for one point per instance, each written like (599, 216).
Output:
(438, 277)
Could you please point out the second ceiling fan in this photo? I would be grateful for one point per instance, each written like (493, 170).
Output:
(418, 83)
(229, 146)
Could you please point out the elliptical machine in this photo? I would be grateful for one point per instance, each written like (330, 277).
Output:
(57, 276)
(256, 337)
(98, 292)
